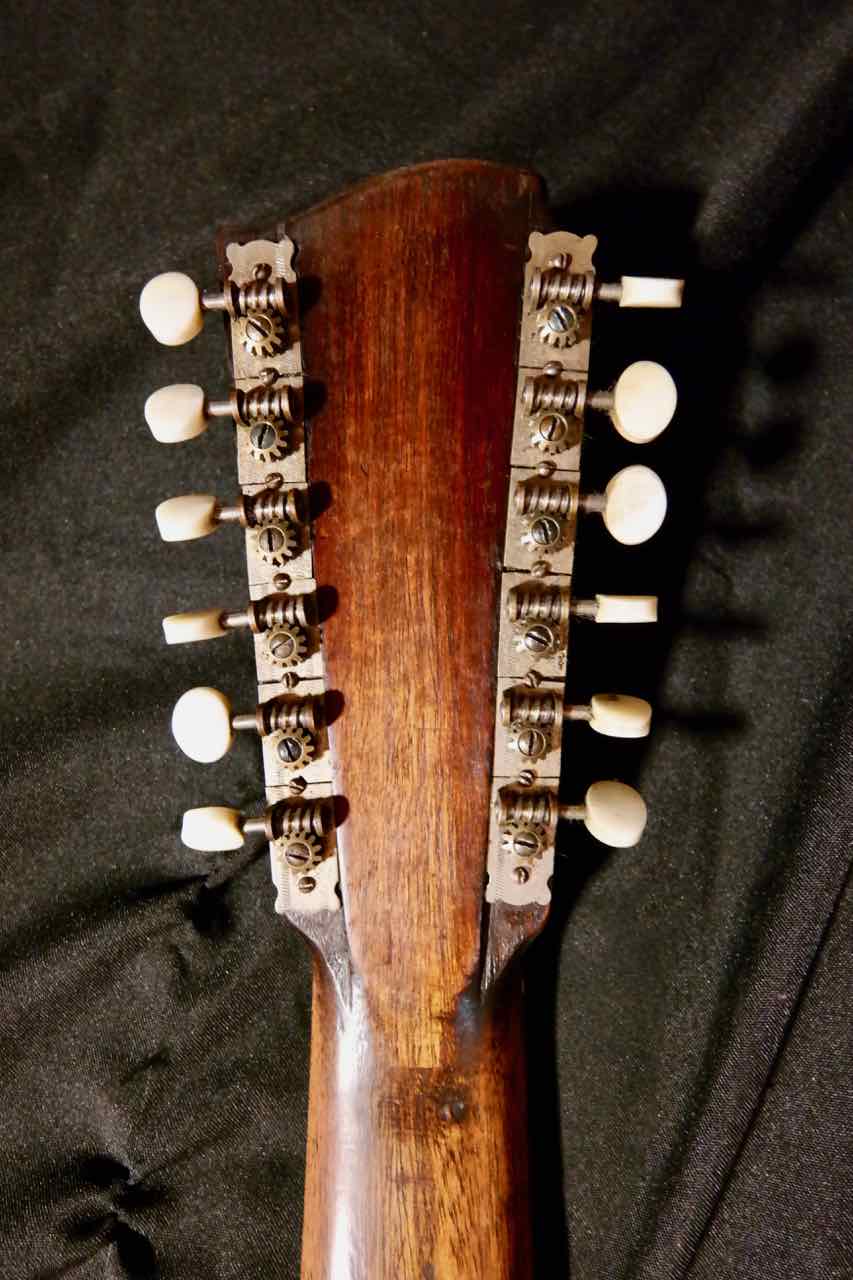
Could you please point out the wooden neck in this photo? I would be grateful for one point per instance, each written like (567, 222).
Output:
(417, 1131)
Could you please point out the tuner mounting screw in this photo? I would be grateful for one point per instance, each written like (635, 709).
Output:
(520, 875)
(306, 884)
(262, 333)
(293, 748)
(277, 542)
(267, 440)
(544, 531)
(286, 646)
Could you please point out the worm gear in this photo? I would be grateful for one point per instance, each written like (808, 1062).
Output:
(293, 748)
(553, 432)
(285, 646)
(277, 543)
(559, 325)
(262, 333)
(268, 440)
(524, 840)
(301, 852)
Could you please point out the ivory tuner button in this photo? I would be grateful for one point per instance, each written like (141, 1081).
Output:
(626, 609)
(644, 401)
(193, 515)
(615, 814)
(651, 291)
(617, 715)
(634, 505)
(212, 829)
(201, 724)
(176, 413)
(170, 306)
(200, 624)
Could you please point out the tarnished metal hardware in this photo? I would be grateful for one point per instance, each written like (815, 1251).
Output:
(264, 293)
(533, 718)
(266, 402)
(539, 612)
(547, 509)
(268, 440)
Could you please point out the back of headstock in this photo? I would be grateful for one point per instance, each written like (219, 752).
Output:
(411, 656)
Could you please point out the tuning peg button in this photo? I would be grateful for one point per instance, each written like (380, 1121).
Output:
(643, 291)
(634, 505)
(641, 404)
(213, 828)
(618, 608)
(618, 715)
(613, 812)
(171, 307)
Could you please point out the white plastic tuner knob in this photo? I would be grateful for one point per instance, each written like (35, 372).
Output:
(193, 515)
(176, 413)
(201, 724)
(643, 401)
(626, 609)
(651, 291)
(212, 829)
(618, 715)
(613, 812)
(199, 624)
(170, 306)
(634, 505)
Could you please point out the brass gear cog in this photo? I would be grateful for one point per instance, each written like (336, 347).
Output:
(553, 432)
(559, 325)
(268, 440)
(262, 333)
(299, 852)
(293, 748)
(276, 543)
(285, 646)
(524, 840)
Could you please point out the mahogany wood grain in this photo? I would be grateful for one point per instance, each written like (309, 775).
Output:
(417, 1129)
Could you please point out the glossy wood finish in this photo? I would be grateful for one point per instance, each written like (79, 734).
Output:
(417, 1132)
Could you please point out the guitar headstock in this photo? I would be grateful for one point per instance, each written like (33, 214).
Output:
(410, 387)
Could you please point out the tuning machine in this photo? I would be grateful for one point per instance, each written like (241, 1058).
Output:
(183, 411)
(527, 818)
(204, 724)
(276, 515)
(173, 308)
(640, 404)
(298, 832)
(539, 613)
(561, 296)
(533, 716)
(632, 506)
(282, 619)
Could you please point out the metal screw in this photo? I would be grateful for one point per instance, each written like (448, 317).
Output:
(532, 743)
(297, 854)
(289, 750)
(553, 428)
(262, 271)
(257, 328)
(281, 644)
(271, 539)
(561, 319)
(525, 844)
(306, 884)
(521, 875)
(538, 639)
(263, 436)
(297, 786)
(281, 581)
(545, 531)
(526, 777)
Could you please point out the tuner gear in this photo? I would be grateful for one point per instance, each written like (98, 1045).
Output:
(559, 326)
(524, 840)
(553, 432)
(286, 646)
(300, 852)
(262, 333)
(268, 440)
(277, 543)
(292, 748)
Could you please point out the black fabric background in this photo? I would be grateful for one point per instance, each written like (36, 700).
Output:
(690, 1008)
